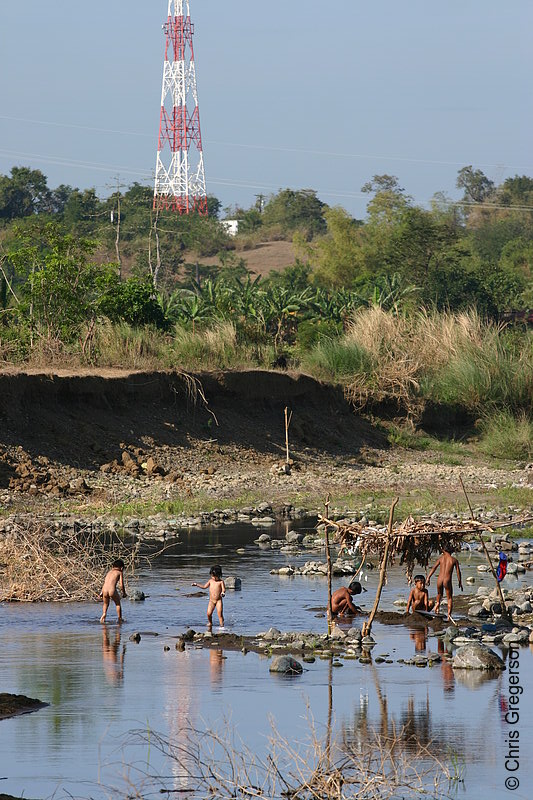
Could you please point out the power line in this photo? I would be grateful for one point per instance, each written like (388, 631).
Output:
(277, 149)
(258, 185)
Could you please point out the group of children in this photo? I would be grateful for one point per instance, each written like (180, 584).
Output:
(115, 580)
(341, 599)
(419, 596)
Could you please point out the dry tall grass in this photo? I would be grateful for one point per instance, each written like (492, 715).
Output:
(447, 358)
(213, 765)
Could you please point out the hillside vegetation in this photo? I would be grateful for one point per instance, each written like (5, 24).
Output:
(402, 308)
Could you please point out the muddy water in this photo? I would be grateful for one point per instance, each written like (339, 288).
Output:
(101, 687)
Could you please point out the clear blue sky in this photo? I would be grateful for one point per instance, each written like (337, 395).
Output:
(296, 93)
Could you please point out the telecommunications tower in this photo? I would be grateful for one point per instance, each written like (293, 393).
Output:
(179, 173)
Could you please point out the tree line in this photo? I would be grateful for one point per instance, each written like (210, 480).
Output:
(69, 259)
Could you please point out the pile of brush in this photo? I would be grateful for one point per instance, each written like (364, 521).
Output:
(42, 563)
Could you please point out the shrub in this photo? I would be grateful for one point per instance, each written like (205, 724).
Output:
(505, 435)
(337, 359)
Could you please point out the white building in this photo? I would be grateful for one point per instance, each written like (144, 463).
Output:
(231, 226)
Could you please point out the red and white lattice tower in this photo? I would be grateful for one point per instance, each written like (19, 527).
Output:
(179, 174)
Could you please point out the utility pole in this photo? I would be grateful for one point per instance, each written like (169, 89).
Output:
(179, 175)
(115, 220)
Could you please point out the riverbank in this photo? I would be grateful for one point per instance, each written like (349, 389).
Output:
(130, 444)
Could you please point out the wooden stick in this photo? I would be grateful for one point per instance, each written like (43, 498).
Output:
(505, 613)
(288, 418)
(367, 627)
(328, 562)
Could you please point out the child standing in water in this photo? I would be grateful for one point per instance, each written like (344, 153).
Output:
(217, 590)
(446, 564)
(113, 579)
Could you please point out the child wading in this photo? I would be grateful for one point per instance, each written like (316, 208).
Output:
(217, 590)
(109, 592)
(446, 564)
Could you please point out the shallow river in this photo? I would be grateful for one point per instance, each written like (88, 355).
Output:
(101, 687)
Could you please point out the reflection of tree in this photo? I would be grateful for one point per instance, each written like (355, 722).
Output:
(413, 728)
(59, 669)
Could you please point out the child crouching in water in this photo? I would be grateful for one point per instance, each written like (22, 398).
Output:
(419, 597)
(217, 590)
(112, 580)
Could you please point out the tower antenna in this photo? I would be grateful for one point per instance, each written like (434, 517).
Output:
(179, 174)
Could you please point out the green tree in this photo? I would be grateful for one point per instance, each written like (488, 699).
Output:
(337, 258)
(133, 301)
(295, 210)
(23, 194)
(475, 184)
(61, 287)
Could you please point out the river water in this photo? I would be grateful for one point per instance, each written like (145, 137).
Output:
(102, 688)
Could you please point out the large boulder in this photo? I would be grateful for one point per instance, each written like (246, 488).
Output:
(477, 656)
(286, 665)
(233, 583)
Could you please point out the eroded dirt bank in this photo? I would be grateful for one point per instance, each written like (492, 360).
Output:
(110, 437)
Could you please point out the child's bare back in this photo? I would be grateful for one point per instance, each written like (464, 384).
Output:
(112, 581)
(446, 563)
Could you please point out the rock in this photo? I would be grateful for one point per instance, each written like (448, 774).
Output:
(516, 637)
(450, 633)
(477, 656)
(180, 645)
(477, 611)
(470, 579)
(136, 596)
(13, 704)
(233, 583)
(285, 665)
(271, 635)
(293, 537)
(286, 570)
(135, 637)
(189, 635)
(338, 633)
(264, 538)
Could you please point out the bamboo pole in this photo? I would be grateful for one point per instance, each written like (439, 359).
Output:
(367, 627)
(328, 563)
(503, 604)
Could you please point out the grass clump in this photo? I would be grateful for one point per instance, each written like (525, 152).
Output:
(449, 359)
(337, 359)
(506, 435)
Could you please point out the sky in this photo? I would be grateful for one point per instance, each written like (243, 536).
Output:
(292, 93)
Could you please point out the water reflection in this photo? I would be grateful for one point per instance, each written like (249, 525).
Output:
(448, 675)
(216, 666)
(413, 727)
(419, 637)
(112, 661)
